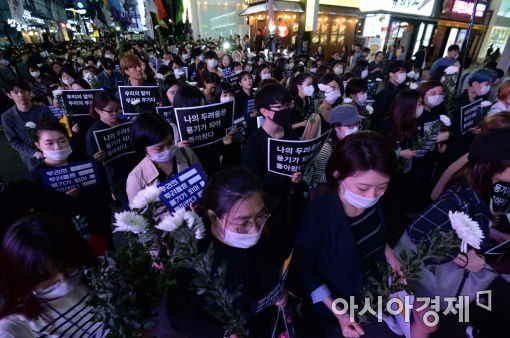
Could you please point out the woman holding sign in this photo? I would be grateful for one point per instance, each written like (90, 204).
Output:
(342, 235)
(92, 202)
(153, 137)
(234, 210)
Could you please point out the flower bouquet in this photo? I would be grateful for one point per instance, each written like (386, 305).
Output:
(429, 135)
(449, 81)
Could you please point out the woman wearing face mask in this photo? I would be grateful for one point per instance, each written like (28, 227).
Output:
(344, 120)
(471, 192)
(42, 261)
(92, 202)
(153, 137)
(226, 65)
(302, 89)
(236, 215)
(342, 236)
(263, 73)
(338, 68)
(360, 69)
(105, 110)
(170, 87)
(39, 84)
(68, 77)
(357, 91)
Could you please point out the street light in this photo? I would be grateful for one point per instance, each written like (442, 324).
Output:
(226, 45)
(117, 28)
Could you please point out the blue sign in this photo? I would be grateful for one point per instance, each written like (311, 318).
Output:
(183, 189)
(76, 175)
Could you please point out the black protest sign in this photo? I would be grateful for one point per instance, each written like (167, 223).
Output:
(167, 112)
(500, 198)
(115, 141)
(233, 79)
(286, 157)
(140, 99)
(203, 125)
(71, 176)
(77, 102)
(470, 116)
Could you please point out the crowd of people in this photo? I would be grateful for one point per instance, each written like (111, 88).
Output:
(396, 161)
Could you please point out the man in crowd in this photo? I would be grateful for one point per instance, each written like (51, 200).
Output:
(447, 61)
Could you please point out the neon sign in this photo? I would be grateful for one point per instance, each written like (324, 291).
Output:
(466, 8)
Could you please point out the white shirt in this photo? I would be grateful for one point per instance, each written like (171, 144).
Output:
(498, 107)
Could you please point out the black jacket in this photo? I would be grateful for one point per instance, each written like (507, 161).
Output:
(383, 101)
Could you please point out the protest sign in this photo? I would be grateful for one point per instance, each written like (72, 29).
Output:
(167, 112)
(500, 198)
(286, 157)
(233, 79)
(115, 141)
(140, 99)
(203, 125)
(77, 175)
(77, 102)
(183, 189)
(470, 116)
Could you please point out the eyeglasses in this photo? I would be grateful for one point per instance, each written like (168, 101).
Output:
(53, 286)
(245, 227)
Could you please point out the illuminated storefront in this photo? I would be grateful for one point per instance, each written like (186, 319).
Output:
(499, 32)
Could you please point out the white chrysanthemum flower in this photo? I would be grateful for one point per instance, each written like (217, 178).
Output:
(413, 85)
(171, 222)
(30, 125)
(378, 79)
(468, 230)
(159, 76)
(135, 102)
(192, 219)
(57, 92)
(445, 120)
(486, 104)
(347, 100)
(200, 232)
(451, 70)
(443, 79)
(146, 196)
(130, 221)
(192, 83)
(369, 109)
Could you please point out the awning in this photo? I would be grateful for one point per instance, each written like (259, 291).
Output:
(278, 6)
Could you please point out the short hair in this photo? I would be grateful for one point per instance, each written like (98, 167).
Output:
(355, 86)
(453, 48)
(211, 77)
(18, 83)
(480, 75)
(188, 96)
(366, 50)
(396, 66)
(49, 125)
(362, 151)
(504, 90)
(129, 61)
(149, 129)
(107, 64)
(100, 100)
(271, 94)
(32, 249)
(210, 55)
(424, 87)
(223, 86)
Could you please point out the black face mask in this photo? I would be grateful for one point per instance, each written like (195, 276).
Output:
(282, 117)
(500, 198)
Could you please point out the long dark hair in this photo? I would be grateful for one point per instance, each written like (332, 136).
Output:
(362, 151)
(227, 187)
(188, 96)
(33, 249)
(296, 81)
(402, 114)
(100, 101)
(479, 176)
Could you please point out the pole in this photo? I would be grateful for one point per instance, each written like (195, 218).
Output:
(468, 36)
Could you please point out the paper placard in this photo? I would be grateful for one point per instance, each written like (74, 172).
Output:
(167, 112)
(500, 199)
(204, 125)
(140, 99)
(233, 79)
(115, 141)
(183, 189)
(77, 175)
(286, 157)
(470, 116)
(77, 102)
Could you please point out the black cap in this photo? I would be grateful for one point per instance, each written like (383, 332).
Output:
(490, 146)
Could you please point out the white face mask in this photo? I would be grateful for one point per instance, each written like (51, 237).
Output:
(362, 98)
(242, 241)
(164, 156)
(434, 100)
(308, 90)
(57, 155)
(401, 77)
(237, 71)
(364, 74)
(265, 76)
(228, 98)
(109, 56)
(68, 81)
(484, 90)
(332, 96)
(35, 74)
(419, 110)
(60, 288)
(338, 70)
(212, 63)
(313, 70)
(356, 200)
(349, 131)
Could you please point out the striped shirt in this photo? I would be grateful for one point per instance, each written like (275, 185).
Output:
(70, 317)
(369, 234)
